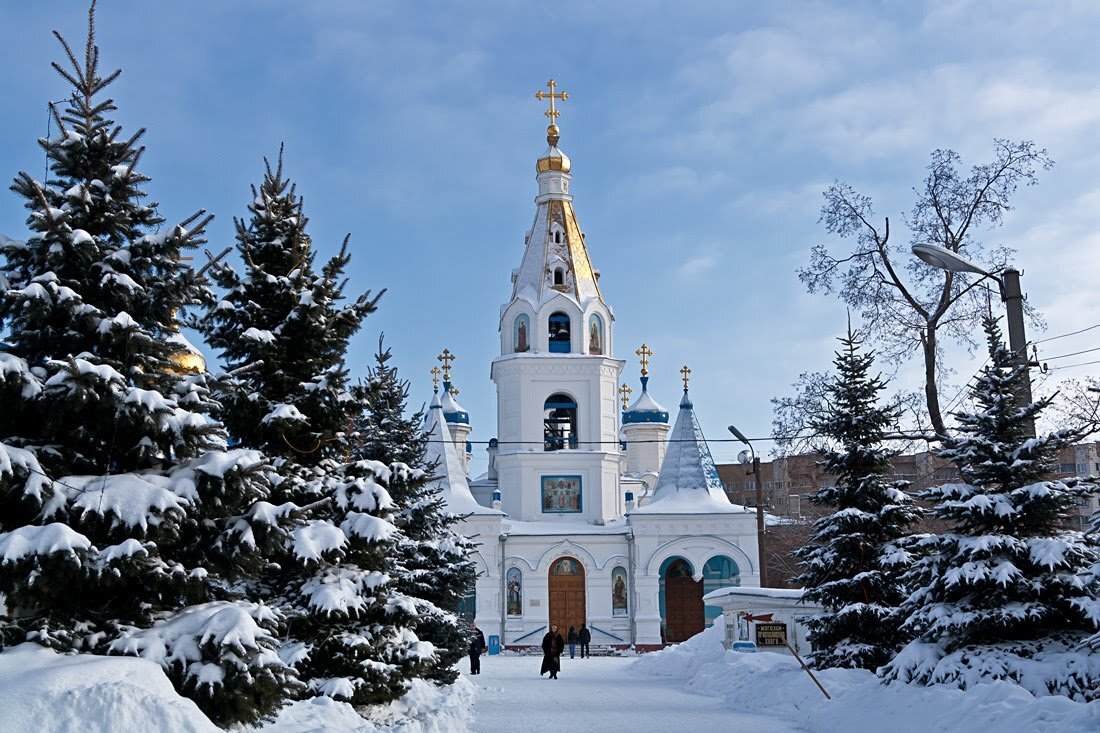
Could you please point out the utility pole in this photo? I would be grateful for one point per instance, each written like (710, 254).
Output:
(1017, 341)
(761, 529)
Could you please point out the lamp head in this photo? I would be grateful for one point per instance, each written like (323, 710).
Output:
(944, 259)
(737, 434)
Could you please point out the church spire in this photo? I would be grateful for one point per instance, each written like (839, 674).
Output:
(556, 257)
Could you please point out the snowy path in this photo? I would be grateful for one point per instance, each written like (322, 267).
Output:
(598, 694)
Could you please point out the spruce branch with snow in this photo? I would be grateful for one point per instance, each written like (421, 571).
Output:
(1008, 592)
(434, 568)
(283, 328)
(120, 504)
(852, 566)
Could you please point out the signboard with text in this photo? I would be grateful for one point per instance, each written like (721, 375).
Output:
(771, 634)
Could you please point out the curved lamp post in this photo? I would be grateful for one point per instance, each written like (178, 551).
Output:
(1009, 283)
(760, 537)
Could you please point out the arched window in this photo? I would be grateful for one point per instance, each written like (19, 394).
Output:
(559, 276)
(719, 572)
(559, 333)
(595, 334)
(559, 422)
(557, 237)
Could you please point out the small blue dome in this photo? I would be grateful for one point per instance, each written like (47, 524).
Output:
(452, 411)
(645, 409)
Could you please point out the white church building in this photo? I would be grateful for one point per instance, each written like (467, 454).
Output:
(587, 513)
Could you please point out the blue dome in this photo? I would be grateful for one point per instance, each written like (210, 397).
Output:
(452, 411)
(645, 409)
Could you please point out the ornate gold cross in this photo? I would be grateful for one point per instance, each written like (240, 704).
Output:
(435, 379)
(624, 395)
(685, 371)
(447, 358)
(645, 353)
(540, 95)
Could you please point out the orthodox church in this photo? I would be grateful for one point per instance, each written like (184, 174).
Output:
(587, 513)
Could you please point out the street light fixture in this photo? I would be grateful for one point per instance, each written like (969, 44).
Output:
(1009, 282)
(761, 541)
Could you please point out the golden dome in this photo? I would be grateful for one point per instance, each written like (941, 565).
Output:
(188, 362)
(554, 160)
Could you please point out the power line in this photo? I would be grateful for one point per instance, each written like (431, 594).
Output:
(1072, 366)
(1064, 335)
(1074, 353)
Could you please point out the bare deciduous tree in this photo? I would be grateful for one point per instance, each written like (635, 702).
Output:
(909, 308)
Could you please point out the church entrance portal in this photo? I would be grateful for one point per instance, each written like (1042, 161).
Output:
(567, 594)
(683, 601)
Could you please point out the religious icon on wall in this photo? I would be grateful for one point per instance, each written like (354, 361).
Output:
(566, 566)
(522, 333)
(618, 592)
(595, 335)
(514, 583)
(561, 494)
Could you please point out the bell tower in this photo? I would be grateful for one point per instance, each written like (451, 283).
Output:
(558, 457)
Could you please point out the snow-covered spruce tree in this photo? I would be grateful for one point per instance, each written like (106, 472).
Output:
(852, 566)
(435, 566)
(124, 521)
(1007, 593)
(283, 330)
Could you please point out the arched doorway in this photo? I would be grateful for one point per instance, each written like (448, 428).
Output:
(567, 601)
(681, 601)
(719, 572)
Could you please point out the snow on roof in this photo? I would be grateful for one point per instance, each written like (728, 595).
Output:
(688, 482)
(452, 477)
(785, 593)
(452, 411)
(645, 408)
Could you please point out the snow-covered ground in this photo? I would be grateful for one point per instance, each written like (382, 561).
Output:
(598, 694)
(695, 686)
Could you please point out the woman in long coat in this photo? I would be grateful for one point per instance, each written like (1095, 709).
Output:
(552, 646)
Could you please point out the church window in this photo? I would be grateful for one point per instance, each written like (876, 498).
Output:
(557, 237)
(559, 333)
(719, 572)
(559, 422)
(467, 607)
(595, 334)
(559, 276)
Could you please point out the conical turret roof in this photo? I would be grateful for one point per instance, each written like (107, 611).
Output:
(689, 481)
(452, 482)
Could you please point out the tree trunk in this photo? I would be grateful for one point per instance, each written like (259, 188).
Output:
(931, 391)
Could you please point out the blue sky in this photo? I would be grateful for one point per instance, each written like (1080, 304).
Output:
(701, 134)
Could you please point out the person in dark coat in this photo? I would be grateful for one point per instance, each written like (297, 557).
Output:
(477, 648)
(572, 638)
(585, 637)
(552, 647)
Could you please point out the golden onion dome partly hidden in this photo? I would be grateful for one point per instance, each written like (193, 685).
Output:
(553, 159)
(185, 357)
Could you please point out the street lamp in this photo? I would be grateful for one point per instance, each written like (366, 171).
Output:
(1009, 282)
(761, 541)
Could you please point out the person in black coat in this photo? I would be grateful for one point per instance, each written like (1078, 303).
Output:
(552, 647)
(572, 639)
(477, 648)
(585, 637)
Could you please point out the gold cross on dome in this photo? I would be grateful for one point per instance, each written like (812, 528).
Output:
(447, 358)
(454, 391)
(624, 395)
(540, 95)
(685, 371)
(435, 379)
(645, 352)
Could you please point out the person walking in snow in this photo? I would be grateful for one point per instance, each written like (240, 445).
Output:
(572, 640)
(477, 648)
(585, 637)
(552, 647)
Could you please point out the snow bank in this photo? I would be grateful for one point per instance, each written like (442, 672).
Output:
(424, 709)
(43, 690)
(774, 684)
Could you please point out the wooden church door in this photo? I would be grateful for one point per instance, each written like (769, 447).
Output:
(567, 601)
(684, 615)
